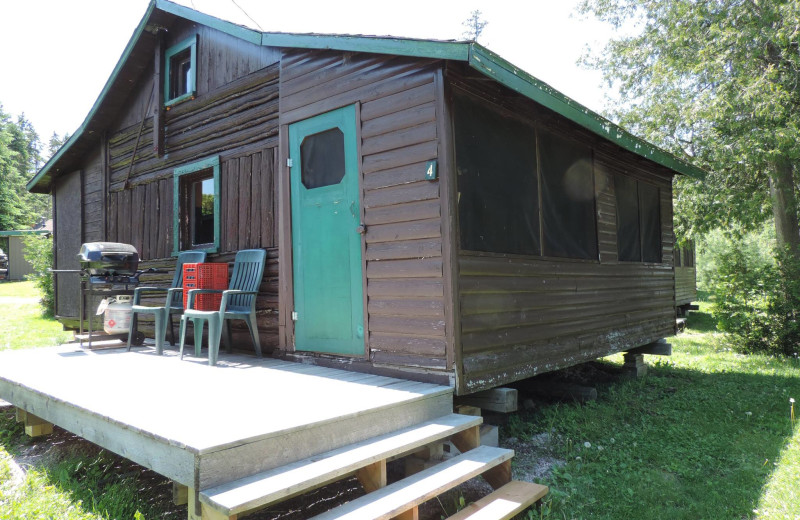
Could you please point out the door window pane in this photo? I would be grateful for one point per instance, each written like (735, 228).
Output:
(322, 159)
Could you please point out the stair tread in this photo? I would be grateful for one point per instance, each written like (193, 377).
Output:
(396, 498)
(280, 483)
(504, 503)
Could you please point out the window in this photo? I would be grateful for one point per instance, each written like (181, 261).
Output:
(180, 71)
(638, 220)
(196, 206)
(569, 218)
(322, 159)
(498, 193)
(678, 257)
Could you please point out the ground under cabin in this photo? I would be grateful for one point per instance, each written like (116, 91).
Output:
(429, 212)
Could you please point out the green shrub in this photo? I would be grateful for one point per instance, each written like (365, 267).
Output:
(39, 252)
(756, 291)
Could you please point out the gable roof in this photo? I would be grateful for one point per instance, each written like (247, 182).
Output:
(472, 53)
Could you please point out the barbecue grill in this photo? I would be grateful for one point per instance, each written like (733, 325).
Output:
(107, 268)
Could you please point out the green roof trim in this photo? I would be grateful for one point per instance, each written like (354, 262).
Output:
(478, 57)
(497, 68)
(231, 28)
(442, 50)
(24, 232)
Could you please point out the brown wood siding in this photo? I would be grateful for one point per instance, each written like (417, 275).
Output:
(403, 254)
(685, 285)
(242, 113)
(234, 116)
(521, 316)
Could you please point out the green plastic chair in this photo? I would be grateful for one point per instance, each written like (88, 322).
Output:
(238, 303)
(173, 305)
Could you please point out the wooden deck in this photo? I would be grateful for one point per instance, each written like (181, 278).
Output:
(203, 426)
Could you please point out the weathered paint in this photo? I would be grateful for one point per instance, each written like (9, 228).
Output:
(328, 291)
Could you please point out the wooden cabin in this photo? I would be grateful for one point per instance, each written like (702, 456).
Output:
(685, 278)
(429, 210)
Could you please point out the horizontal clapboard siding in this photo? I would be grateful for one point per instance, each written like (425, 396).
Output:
(398, 126)
(685, 285)
(522, 317)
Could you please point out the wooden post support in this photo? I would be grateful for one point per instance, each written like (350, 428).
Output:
(34, 426)
(180, 494)
(503, 400)
(499, 476)
(465, 409)
(656, 348)
(411, 514)
(634, 365)
(467, 439)
(372, 477)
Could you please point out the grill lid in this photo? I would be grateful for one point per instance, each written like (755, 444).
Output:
(108, 258)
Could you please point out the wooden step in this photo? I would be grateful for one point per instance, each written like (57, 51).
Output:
(402, 496)
(271, 486)
(506, 502)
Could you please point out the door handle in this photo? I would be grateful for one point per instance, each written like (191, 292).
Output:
(361, 229)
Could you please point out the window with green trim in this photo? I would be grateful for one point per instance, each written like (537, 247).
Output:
(196, 206)
(180, 71)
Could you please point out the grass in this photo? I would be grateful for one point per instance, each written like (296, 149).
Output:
(706, 434)
(77, 481)
(22, 324)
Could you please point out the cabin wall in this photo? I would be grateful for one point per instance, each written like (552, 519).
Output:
(234, 116)
(403, 244)
(685, 285)
(521, 315)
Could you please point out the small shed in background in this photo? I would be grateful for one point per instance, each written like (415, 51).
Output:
(18, 265)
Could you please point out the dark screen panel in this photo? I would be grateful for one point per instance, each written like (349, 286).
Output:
(628, 235)
(322, 159)
(568, 209)
(498, 201)
(650, 211)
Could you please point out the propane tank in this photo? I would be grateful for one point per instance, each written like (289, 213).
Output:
(117, 315)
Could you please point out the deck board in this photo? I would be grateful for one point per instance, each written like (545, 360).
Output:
(232, 409)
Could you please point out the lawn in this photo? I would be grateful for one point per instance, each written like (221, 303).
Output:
(706, 434)
(21, 321)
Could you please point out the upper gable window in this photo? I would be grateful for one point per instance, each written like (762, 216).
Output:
(180, 71)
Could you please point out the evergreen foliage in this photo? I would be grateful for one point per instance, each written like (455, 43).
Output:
(20, 158)
(39, 253)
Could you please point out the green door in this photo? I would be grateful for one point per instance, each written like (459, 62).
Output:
(326, 244)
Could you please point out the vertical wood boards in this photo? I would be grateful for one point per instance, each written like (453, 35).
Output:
(67, 227)
(92, 197)
(399, 133)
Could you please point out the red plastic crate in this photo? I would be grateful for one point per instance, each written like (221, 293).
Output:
(204, 276)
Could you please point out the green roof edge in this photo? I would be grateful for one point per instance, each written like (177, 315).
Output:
(497, 68)
(477, 56)
(442, 50)
(23, 232)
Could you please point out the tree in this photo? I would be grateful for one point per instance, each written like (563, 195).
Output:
(474, 25)
(20, 158)
(715, 81)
